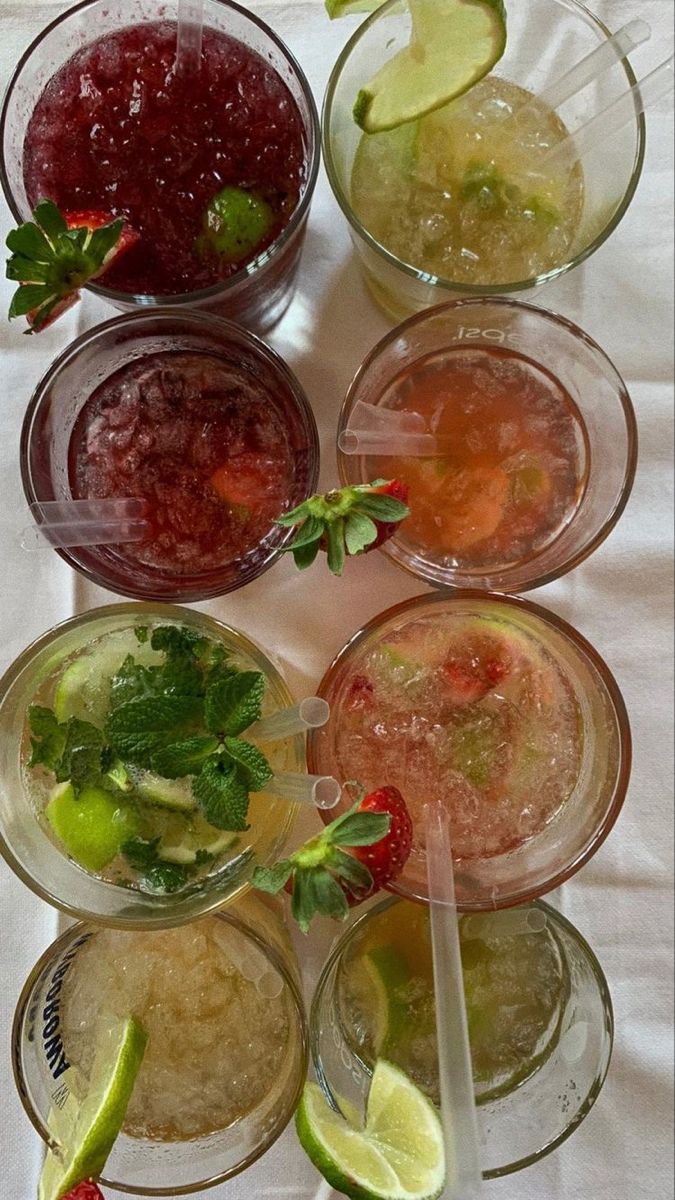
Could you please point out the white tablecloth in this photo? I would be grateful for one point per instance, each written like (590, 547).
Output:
(620, 599)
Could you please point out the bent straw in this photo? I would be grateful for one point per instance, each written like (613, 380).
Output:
(375, 430)
(190, 31)
(249, 960)
(310, 713)
(64, 523)
(511, 923)
(617, 114)
(321, 790)
(458, 1105)
(591, 67)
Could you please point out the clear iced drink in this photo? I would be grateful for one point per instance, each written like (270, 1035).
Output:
(497, 709)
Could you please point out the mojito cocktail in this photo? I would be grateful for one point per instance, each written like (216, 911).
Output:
(225, 1056)
(131, 789)
(211, 165)
(497, 709)
(539, 1016)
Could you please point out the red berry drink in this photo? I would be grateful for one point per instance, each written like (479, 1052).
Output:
(196, 419)
(212, 168)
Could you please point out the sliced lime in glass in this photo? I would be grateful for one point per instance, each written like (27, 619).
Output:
(86, 1145)
(344, 8)
(92, 826)
(399, 1152)
(454, 44)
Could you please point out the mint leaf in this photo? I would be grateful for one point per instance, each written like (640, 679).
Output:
(142, 634)
(234, 703)
(166, 877)
(81, 758)
(48, 744)
(176, 641)
(272, 879)
(251, 761)
(360, 532)
(140, 853)
(183, 758)
(133, 682)
(222, 796)
(138, 728)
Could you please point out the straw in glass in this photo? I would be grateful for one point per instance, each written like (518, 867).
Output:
(323, 791)
(509, 923)
(591, 67)
(249, 960)
(386, 431)
(458, 1105)
(310, 713)
(64, 523)
(190, 32)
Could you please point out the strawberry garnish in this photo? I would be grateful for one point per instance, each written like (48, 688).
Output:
(55, 254)
(87, 1190)
(356, 854)
(475, 666)
(351, 520)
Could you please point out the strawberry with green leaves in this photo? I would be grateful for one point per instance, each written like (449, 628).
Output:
(351, 520)
(55, 255)
(358, 853)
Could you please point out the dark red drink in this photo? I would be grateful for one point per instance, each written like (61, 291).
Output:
(118, 130)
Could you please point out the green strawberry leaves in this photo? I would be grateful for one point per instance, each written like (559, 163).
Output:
(51, 262)
(324, 877)
(345, 522)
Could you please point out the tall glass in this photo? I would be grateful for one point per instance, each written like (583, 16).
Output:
(505, 714)
(265, 976)
(258, 294)
(92, 360)
(605, 435)
(26, 841)
(547, 1096)
(544, 39)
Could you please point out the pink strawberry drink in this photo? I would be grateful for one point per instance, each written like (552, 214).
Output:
(482, 703)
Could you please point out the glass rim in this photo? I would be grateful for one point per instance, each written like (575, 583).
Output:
(572, 560)
(224, 327)
(522, 895)
(215, 290)
(284, 1112)
(211, 898)
(427, 277)
(556, 917)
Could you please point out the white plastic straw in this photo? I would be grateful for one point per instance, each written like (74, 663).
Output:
(509, 923)
(310, 713)
(617, 114)
(458, 1105)
(190, 32)
(249, 960)
(84, 523)
(378, 430)
(323, 791)
(591, 67)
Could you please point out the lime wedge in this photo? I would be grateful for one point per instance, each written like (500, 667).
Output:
(86, 1146)
(399, 1154)
(92, 826)
(454, 43)
(344, 8)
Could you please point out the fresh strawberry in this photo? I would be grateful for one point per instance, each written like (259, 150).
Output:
(474, 666)
(351, 520)
(87, 1190)
(356, 854)
(54, 255)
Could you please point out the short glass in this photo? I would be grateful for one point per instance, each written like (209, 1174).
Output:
(497, 708)
(52, 415)
(605, 437)
(45, 867)
(544, 38)
(521, 1124)
(150, 1166)
(258, 294)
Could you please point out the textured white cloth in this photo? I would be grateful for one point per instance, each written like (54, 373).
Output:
(620, 599)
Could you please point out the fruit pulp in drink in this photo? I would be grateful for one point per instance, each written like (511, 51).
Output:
(210, 450)
(119, 131)
(465, 707)
(516, 986)
(217, 1017)
(514, 464)
(467, 192)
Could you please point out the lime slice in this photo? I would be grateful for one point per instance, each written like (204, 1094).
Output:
(399, 1154)
(344, 8)
(182, 845)
(88, 1143)
(454, 43)
(92, 826)
(389, 978)
(175, 794)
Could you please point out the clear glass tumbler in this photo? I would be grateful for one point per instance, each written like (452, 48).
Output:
(93, 359)
(544, 39)
(606, 440)
(500, 710)
(259, 965)
(561, 1073)
(26, 841)
(258, 294)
